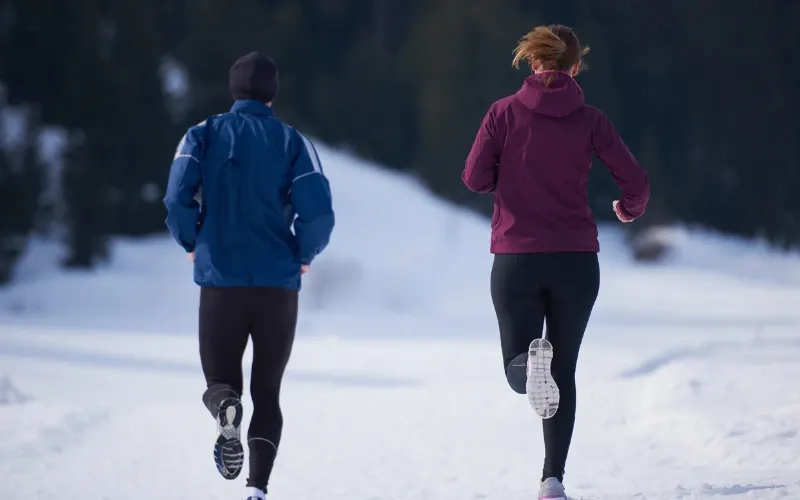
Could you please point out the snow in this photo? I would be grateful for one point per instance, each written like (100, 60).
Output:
(9, 394)
(687, 380)
(176, 87)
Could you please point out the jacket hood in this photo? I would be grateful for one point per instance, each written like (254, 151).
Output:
(563, 97)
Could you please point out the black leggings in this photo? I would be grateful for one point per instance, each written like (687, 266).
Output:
(559, 289)
(228, 317)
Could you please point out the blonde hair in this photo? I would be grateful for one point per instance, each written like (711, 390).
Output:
(556, 47)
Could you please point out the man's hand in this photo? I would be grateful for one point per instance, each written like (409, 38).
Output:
(190, 255)
(303, 269)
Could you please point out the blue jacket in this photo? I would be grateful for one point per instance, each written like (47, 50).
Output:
(238, 185)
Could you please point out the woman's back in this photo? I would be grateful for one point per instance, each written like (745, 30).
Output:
(534, 151)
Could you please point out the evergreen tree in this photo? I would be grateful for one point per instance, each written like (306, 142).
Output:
(138, 135)
(88, 200)
(21, 183)
(460, 55)
(703, 92)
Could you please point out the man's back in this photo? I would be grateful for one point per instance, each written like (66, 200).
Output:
(257, 177)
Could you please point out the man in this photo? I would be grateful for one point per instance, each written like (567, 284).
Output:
(238, 184)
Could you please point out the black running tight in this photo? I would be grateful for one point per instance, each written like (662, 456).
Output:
(228, 318)
(557, 290)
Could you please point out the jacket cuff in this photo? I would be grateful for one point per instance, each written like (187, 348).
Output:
(624, 212)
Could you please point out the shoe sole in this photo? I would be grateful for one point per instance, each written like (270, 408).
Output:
(542, 391)
(228, 449)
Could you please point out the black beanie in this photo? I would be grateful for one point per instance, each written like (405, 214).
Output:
(254, 76)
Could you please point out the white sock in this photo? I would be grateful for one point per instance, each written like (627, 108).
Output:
(255, 493)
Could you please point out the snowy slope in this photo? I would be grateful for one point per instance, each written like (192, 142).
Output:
(687, 382)
(398, 251)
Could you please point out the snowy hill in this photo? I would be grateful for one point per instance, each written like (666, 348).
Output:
(395, 389)
(398, 250)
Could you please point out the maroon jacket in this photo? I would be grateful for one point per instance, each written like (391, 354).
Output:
(534, 151)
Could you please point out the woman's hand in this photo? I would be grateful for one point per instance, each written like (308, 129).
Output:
(619, 213)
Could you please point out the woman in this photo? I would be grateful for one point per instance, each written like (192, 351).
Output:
(533, 152)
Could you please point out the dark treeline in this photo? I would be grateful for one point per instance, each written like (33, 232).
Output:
(704, 91)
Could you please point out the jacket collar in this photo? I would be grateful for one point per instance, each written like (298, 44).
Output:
(252, 107)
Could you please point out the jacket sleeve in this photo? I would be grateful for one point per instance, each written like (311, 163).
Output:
(311, 198)
(183, 210)
(480, 171)
(629, 176)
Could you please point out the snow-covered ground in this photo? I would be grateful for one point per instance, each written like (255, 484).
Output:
(688, 380)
